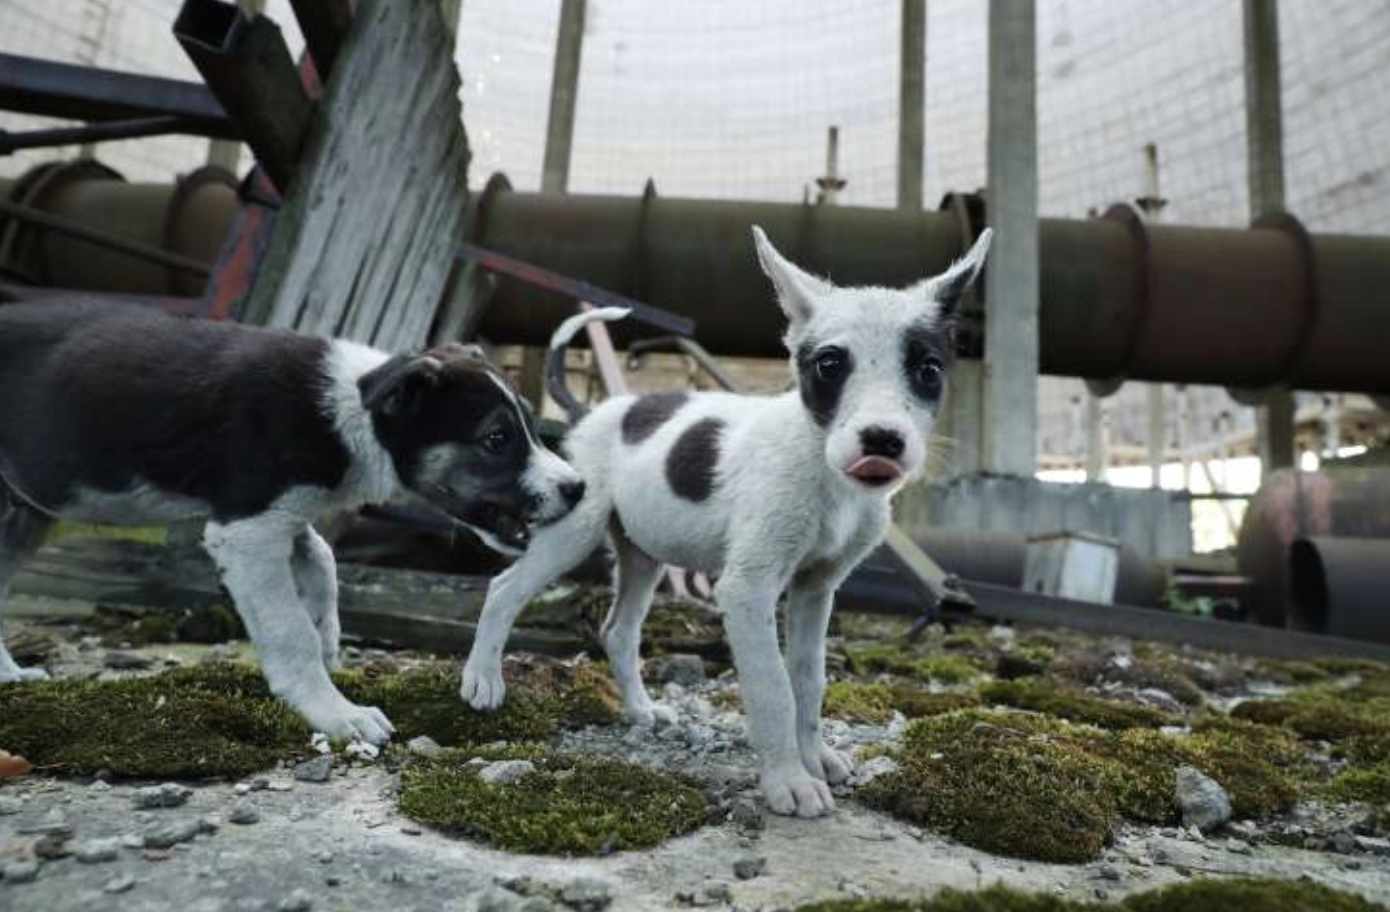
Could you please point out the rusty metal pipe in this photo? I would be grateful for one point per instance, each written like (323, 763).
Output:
(1340, 585)
(247, 65)
(1268, 305)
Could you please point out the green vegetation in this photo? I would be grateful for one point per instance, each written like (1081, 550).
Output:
(571, 804)
(218, 720)
(909, 660)
(854, 701)
(1362, 783)
(1044, 696)
(1206, 895)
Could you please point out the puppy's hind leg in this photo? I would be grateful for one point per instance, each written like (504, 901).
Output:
(316, 578)
(21, 530)
(637, 579)
(554, 549)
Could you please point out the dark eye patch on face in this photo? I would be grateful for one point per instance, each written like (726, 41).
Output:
(822, 371)
(926, 355)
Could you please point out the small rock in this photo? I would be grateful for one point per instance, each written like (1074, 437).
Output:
(297, 901)
(51, 847)
(18, 872)
(120, 660)
(10, 805)
(496, 899)
(168, 795)
(243, 813)
(424, 746)
(682, 668)
(51, 824)
(411, 829)
(1343, 843)
(716, 894)
(168, 835)
(96, 851)
(586, 894)
(1204, 802)
(746, 815)
(505, 772)
(315, 770)
(749, 867)
(872, 768)
(119, 884)
(1109, 872)
(1239, 847)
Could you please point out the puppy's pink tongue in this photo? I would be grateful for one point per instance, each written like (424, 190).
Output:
(874, 468)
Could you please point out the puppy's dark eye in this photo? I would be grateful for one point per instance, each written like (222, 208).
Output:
(929, 375)
(495, 440)
(830, 365)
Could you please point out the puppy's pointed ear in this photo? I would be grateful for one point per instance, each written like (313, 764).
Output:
(395, 387)
(947, 289)
(797, 290)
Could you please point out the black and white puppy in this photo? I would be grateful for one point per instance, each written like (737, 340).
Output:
(772, 494)
(121, 414)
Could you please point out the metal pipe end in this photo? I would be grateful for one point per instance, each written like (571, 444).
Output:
(213, 25)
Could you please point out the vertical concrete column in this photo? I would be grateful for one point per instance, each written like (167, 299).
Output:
(912, 99)
(1157, 432)
(564, 94)
(1264, 150)
(1010, 399)
(1096, 438)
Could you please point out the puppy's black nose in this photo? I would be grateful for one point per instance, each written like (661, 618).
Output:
(878, 441)
(572, 492)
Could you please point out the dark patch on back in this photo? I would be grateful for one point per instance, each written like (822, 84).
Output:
(820, 395)
(690, 464)
(649, 413)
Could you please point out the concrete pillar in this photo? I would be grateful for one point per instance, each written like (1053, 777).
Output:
(958, 423)
(1157, 432)
(1264, 150)
(1011, 307)
(912, 85)
(564, 94)
(1096, 442)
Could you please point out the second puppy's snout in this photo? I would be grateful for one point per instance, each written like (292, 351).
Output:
(572, 492)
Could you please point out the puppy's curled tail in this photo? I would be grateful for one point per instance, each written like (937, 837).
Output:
(555, 356)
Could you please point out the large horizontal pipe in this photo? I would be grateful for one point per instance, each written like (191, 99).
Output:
(1258, 307)
(1340, 585)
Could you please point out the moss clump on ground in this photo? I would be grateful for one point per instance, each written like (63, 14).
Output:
(1041, 695)
(542, 698)
(999, 788)
(123, 625)
(217, 720)
(1358, 727)
(571, 804)
(1157, 671)
(855, 701)
(1206, 895)
(907, 660)
(1362, 783)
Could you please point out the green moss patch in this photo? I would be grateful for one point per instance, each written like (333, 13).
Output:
(999, 788)
(571, 804)
(1206, 895)
(911, 660)
(1042, 695)
(1362, 783)
(543, 696)
(218, 720)
(1356, 725)
(995, 764)
(855, 701)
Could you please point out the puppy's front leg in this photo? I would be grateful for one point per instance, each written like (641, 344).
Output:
(809, 603)
(254, 556)
(316, 577)
(750, 618)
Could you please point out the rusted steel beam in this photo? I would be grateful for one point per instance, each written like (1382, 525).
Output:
(325, 24)
(1340, 585)
(246, 64)
(102, 239)
(136, 128)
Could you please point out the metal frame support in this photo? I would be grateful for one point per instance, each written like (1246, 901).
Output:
(912, 82)
(564, 96)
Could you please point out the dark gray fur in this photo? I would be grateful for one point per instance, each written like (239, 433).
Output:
(691, 463)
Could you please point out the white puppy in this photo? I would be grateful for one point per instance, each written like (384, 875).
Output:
(771, 494)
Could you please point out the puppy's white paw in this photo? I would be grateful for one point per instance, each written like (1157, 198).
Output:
(651, 715)
(795, 793)
(342, 720)
(483, 687)
(827, 764)
(19, 675)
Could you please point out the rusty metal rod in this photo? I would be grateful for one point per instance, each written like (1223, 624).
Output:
(102, 239)
(93, 133)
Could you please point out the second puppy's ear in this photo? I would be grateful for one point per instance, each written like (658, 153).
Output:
(395, 387)
(797, 290)
(947, 289)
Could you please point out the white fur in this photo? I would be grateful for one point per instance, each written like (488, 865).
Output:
(783, 517)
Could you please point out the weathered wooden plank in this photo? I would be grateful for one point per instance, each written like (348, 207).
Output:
(364, 241)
